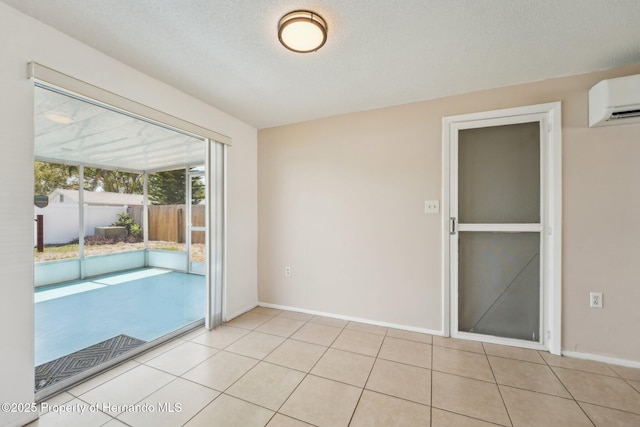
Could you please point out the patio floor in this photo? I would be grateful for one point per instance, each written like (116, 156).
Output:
(145, 304)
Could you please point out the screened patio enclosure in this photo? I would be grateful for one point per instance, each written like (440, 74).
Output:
(74, 132)
(129, 287)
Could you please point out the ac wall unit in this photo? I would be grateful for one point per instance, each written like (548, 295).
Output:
(615, 102)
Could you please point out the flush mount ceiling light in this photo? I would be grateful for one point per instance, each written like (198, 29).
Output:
(302, 31)
(59, 117)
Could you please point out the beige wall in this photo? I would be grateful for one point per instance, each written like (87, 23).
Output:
(341, 199)
(25, 39)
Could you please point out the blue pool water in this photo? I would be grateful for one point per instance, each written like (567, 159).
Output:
(144, 304)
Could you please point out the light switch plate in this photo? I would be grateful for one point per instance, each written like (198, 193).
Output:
(432, 206)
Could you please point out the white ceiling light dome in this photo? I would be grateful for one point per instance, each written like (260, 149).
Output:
(302, 31)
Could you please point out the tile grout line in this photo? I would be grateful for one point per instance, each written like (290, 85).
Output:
(509, 358)
(286, 337)
(231, 385)
(628, 382)
(466, 377)
(306, 374)
(102, 412)
(517, 360)
(244, 355)
(537, 392)
(118, 420)
(431, 388)
(154, 391)
(96, 376)
(188, 370)
(376, 358)
(528, 389)
(259, 360)
(201, 409)
(222, 392)
(404, 399)
(616, 375)
(506, 409)
(457, 349)
(567, 389)
(470, 417)
(607, 407)
(364, 387)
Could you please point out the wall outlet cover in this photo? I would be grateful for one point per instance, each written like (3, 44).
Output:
(595, 299)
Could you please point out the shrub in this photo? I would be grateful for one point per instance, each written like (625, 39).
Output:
(133, 230)
(136, 231)
(104, 240)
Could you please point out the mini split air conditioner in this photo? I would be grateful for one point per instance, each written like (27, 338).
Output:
(615, 102)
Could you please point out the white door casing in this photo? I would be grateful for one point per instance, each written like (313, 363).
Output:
(549, 118)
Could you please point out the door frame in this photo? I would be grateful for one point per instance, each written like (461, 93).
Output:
(549, 115)
(216, 232)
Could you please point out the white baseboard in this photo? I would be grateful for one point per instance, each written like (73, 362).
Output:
(605, 359)
(352, 319)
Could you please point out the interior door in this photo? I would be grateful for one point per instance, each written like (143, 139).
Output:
(495, 230)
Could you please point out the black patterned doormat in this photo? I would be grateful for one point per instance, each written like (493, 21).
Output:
(72, 364)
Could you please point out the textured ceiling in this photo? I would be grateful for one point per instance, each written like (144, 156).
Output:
(379, 52)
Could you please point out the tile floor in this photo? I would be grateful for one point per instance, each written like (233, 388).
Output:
(285, 369)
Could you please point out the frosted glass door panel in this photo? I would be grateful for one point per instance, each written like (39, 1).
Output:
(499, 174)
(499, 284)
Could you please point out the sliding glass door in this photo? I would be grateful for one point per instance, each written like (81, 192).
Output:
(128, 243)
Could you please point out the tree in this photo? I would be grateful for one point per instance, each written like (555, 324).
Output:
(168, 188)
(165, 188)
(113, 181)
(49, 176)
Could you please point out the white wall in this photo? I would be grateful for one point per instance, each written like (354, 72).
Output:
(25, 39)
(61, 221)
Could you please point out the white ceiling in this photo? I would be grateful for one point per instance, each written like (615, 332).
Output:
(378, 53)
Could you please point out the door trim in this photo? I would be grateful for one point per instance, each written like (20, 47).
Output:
(216, 259)
(549, 115)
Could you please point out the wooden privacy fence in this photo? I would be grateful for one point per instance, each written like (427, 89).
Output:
(168, 222)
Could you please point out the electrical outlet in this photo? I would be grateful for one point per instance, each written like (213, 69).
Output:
(287, 271)
(595, 299)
